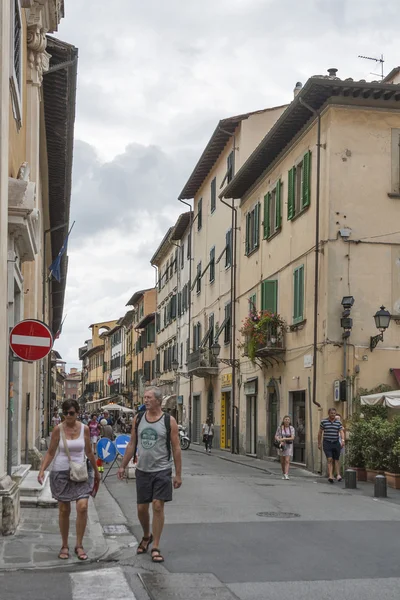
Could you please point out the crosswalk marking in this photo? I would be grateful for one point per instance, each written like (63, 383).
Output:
(103, 583)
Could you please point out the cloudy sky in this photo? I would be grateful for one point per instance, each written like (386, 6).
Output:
(154, 79)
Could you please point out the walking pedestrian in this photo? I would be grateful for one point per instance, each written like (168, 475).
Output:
(106, 431)
(285, 435)
(156, 437)
(73, 441)
(56, 419)
(208, 434)
(94, 429)
(333, 442)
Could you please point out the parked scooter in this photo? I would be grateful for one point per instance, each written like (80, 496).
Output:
(183, 437)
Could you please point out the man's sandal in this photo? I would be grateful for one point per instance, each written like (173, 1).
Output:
(156, 558)
(81, 555)
(64, 553)
(142, 548)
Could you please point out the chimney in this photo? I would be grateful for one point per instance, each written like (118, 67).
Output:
(297, 88)
(332, 72)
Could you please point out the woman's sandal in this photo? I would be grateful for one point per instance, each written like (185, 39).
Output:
(82, 555)
(158, 558)
(63, 555)
(142, 549)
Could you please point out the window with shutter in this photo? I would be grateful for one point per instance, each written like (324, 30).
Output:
(158, 322)
(181, 356)
(298, 294)
(151, 334)
(213, 195)
(230, 167)
(306, 180)
(227, 319)
(278, 205)
(212, 264)
(269, 295)
(198, 281)
(179, 304)
(173, 307)
(253, 229)
(228, 248)
(182, 255)
(187, 350)
(16, 61)
(158, 363)
(146, 370)
(211, 328)
(199, 214)
(189, 246)
(266, 224)
(253, 303)
(291, 199)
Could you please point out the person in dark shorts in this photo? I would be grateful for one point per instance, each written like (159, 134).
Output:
(333, 441)
(157, 442)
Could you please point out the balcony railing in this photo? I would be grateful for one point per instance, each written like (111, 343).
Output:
(202, 363)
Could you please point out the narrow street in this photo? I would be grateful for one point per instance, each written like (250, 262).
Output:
(235, 531)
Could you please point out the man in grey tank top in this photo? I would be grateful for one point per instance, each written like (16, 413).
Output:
(154, 481)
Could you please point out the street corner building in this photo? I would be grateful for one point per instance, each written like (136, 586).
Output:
(38, 75)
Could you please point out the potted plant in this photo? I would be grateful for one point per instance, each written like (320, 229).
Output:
(355, 447)
(376, 447)
(261, 329)
(392, 471)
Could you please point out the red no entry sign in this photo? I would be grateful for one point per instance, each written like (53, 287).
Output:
(31, 340)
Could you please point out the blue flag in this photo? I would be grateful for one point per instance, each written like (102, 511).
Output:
(55, 267)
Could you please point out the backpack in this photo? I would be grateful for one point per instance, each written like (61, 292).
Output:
(167, 421)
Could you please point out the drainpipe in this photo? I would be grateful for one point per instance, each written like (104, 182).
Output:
(190, 311)
(317, 114)
(232, 348)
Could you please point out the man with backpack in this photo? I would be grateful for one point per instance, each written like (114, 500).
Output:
(155, 437)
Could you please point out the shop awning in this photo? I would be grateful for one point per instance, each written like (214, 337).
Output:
(389, 399)
(169, 401)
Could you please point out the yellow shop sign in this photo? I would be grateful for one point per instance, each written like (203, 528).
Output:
(226, 380)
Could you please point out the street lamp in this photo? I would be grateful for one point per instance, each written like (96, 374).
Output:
(215, 349)
(382, 320)
(175, 365)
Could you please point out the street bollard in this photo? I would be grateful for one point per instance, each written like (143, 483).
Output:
(350, 479)
(380, 490)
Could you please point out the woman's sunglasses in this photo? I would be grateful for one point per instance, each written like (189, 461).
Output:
(70, 413)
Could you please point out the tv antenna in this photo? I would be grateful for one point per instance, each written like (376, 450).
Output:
(380, 60)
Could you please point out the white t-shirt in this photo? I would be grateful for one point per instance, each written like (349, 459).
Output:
(208, 429)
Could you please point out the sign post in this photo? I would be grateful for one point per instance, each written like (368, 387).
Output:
(30, 340)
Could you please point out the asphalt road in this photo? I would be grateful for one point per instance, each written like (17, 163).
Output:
(312, 541)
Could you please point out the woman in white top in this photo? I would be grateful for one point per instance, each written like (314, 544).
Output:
(285, 435)
(208, 434)
(63, 489)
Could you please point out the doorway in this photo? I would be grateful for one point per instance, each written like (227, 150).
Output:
(299, 423)
(272, 421)
(226, 420)
(251, 425)
(196, 419)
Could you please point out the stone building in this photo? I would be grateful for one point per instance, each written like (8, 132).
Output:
(37, 111)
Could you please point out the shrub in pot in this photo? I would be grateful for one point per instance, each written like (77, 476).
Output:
(355, 448)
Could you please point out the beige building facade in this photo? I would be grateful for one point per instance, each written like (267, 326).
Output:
(35, 175)
(348, 170)
(212, 250)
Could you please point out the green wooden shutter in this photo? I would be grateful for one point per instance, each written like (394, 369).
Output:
(247, 233)
(269, 295)
(298, 294)
(291, 199)
(306, 179)
(267, 225)
(278, 210)
(256, 225)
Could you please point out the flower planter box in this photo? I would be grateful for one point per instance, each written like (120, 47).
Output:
(393, 480)
(371, 474)
(361, 473)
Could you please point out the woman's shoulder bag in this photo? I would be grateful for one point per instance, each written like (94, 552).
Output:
(77, 471)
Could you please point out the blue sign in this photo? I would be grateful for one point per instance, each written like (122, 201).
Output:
(106, 450)
(121, 442)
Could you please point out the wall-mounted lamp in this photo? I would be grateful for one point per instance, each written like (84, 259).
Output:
(271, 386)
(382, 320)
(175, 365)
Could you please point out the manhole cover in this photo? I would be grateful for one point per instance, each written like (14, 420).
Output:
(265, 484)
(335, 493)
(115, 529)
(278, 515)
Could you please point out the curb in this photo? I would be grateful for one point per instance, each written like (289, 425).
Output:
(252, 466)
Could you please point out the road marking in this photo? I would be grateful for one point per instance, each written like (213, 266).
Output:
(104, 583)
(27, 340)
